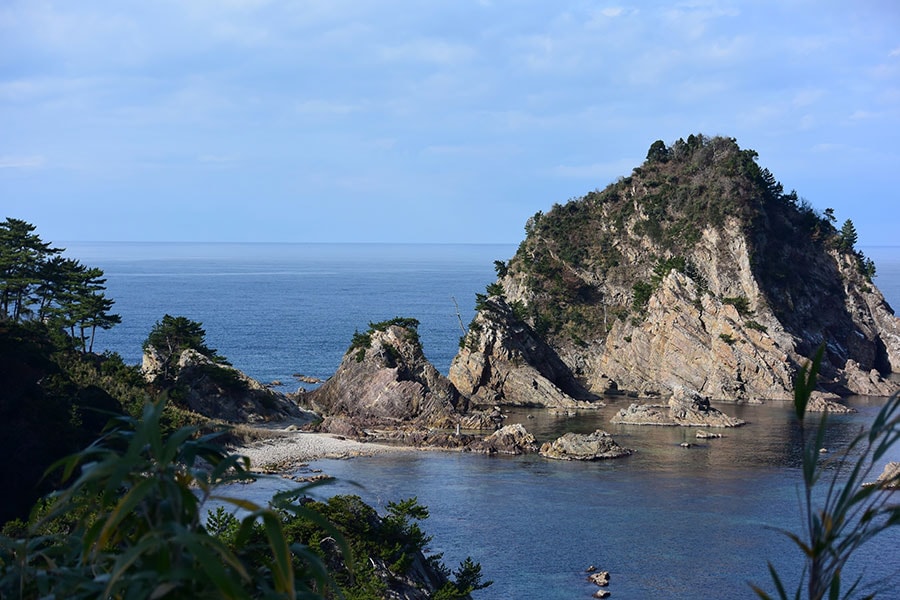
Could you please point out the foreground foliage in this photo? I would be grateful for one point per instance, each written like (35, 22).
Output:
(129, 525)
(854, 508)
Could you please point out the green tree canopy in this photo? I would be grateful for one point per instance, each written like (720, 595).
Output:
(36, 282)
(848, 235)
(173, 335)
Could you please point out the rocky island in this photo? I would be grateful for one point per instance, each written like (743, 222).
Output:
(698, 272)
(696, 278)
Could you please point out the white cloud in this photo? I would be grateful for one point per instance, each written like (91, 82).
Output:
(325, 107)
(21, 162)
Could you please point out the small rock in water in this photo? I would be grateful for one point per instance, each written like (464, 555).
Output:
(686, 445)
(602, 594)
(590, 569)
(600, 579)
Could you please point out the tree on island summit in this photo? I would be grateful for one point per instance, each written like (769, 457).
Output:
(173, 335)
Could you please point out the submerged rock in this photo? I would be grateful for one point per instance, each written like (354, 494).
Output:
(584, 446)
(685, 409)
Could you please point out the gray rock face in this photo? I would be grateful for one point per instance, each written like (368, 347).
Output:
(503, 361)
(390, 383)
(510, 439)
(685, 409)
(820, 402)
(584, 446)
(222, 392)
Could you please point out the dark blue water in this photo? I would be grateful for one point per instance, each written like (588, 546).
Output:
(666, 522)
(279, 309)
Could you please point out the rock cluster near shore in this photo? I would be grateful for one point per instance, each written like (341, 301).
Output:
(685, 409)
(591, 446)
(890, 476)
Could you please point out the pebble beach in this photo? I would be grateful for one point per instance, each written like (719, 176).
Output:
(286, 450)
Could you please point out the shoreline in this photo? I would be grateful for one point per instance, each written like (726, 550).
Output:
(286, 450)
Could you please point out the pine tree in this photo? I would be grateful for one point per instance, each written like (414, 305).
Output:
(848, 235)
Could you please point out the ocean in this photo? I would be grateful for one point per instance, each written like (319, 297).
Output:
(667, 522)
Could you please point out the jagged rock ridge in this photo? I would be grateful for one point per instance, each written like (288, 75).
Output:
(697, 271)
(384, 380)
(503, 361)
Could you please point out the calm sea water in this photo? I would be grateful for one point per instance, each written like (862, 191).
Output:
(666, 522)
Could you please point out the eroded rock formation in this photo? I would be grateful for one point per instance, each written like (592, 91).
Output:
(695, 271)
(584, 446)
(220, 391)
(685, 409)
(384, 380)
(503, 361)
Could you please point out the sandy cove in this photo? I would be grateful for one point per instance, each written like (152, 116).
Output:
(284, 450)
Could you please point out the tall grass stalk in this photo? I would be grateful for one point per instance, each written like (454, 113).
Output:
(855, 506)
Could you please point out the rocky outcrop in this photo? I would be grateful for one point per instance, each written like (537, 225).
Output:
(584, 446)
(890, 476)
(695, 340)
(220, 391)
(684, 409)
(695, 271)
(820, 402)
(503, 361)
(510, 439)
(384, 380)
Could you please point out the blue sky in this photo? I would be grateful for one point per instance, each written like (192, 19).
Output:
(424, 121)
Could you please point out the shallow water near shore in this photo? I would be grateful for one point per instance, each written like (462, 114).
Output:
(667, 522)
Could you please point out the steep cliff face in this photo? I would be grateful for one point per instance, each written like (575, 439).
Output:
(384, 380)
(503, 361)
(698, 272)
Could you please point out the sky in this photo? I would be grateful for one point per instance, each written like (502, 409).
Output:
(447, 121)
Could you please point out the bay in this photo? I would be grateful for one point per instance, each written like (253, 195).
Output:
(667, 522)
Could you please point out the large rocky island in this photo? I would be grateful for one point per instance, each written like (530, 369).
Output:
(694, 279)
(696, 272)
